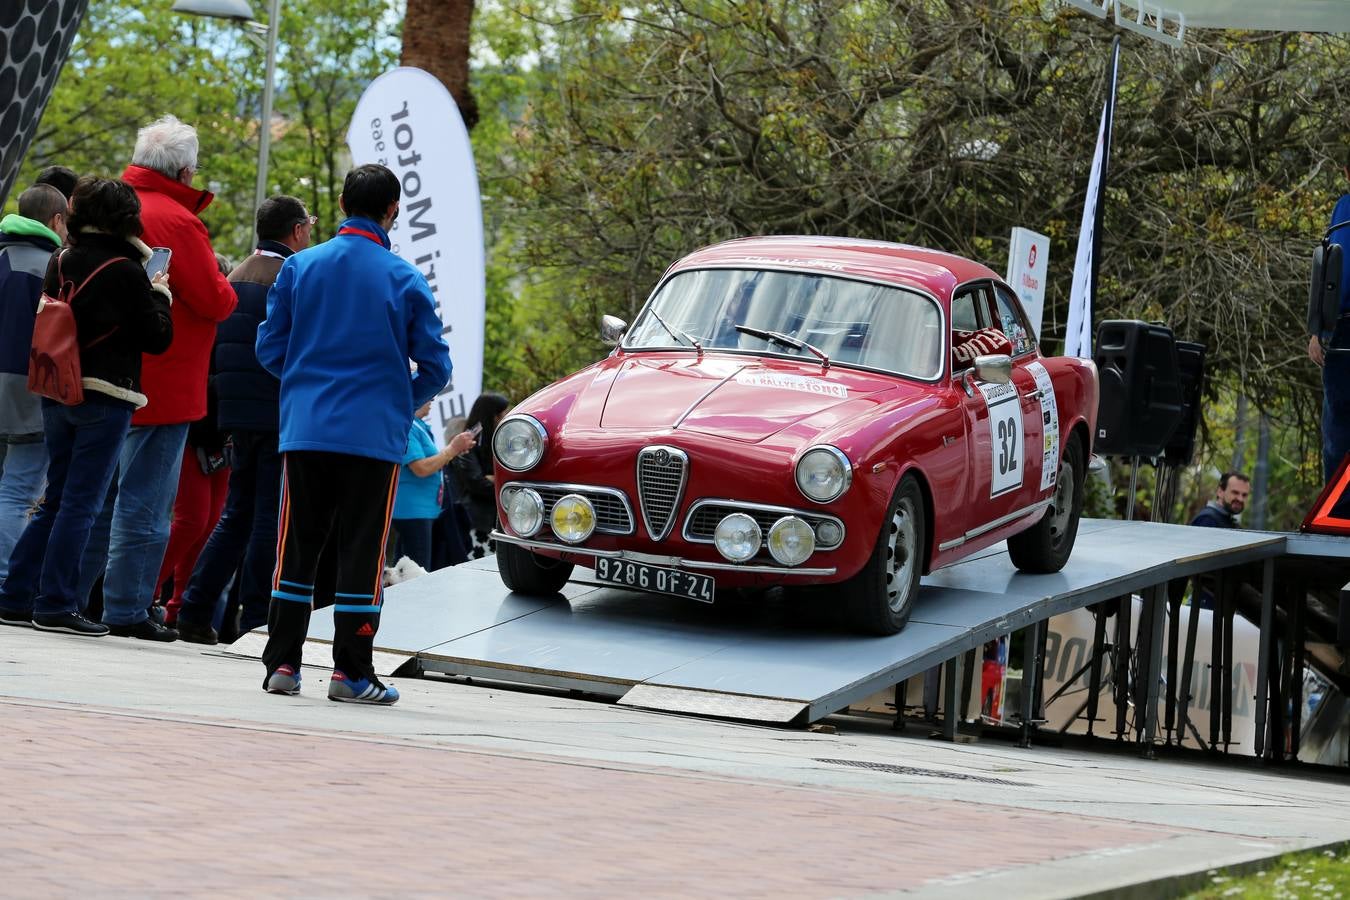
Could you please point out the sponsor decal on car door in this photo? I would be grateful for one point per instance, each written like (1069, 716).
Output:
(1049, 425)
(1006, 451)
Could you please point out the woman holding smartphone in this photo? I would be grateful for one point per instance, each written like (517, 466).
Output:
(474, 471)
(120, 313)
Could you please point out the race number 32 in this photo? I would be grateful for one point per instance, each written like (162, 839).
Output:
(1005, 438)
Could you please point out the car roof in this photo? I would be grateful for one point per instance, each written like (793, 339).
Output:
(932, 270)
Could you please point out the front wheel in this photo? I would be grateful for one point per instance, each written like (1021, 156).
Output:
(1045, 546)
(879, 599)
(530, 573)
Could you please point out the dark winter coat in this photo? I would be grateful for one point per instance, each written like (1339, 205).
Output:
(119, 312)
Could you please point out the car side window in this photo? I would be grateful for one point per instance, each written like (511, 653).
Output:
(1012, 321)
(964, 317)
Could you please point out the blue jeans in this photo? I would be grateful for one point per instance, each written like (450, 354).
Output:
(132, 531)
(22, 478)
(245, 538)
(83, 442)
(414, 540)
(1336, 399)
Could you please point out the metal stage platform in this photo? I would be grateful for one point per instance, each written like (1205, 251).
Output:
(761, 663)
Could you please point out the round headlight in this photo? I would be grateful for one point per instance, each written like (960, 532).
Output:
(737, 537)
(573, 518)
(524, 510)
(823, 474)
(829, 534)
(519, 443)
(791, 541)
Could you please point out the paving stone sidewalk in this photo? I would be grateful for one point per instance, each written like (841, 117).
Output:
(106, 803)
(137, 770)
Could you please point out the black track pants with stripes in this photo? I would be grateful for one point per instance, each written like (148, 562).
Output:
(331, 533)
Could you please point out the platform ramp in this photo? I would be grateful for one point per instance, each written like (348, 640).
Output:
(765, 663)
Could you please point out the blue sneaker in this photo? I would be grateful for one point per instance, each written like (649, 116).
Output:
(364, 690)
(285, 680)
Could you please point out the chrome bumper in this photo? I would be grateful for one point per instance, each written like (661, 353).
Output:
(653, 559)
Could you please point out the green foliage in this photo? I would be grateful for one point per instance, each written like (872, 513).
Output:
(1317, 873)
(132, 62)
(644, 130)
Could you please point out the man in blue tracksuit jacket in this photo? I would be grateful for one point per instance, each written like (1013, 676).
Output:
(343, 321)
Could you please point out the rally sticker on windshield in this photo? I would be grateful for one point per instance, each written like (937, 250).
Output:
(1005, 437)
(1050, 421)
(792, 383)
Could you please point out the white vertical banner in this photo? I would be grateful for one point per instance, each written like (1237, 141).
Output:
(1083, 293)
(1028, 260)
(408, 121)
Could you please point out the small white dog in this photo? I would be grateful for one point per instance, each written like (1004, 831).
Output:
(403, 570)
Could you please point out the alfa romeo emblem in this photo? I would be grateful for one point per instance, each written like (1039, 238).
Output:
(662, 457)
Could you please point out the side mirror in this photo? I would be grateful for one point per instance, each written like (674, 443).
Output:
(995, 369)
(612, 329)
(1324, 295)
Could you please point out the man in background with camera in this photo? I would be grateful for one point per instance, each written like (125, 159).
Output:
(132, 531)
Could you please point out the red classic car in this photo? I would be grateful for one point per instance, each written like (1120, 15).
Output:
(801, 411)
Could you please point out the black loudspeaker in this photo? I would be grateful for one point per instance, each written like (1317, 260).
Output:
(1191, 360)
(1324, 294)
(1141, 398)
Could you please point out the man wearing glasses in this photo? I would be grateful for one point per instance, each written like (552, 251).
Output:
(247, 395)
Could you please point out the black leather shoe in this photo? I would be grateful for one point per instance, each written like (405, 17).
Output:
(196, 634)
(69, 623)
(22, 619)
(146, 630)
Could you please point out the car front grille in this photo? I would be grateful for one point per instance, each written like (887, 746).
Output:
(661, 475)
(611, 510)
(703, 518)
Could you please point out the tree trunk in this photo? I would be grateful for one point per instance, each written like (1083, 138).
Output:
(1240, 435)
(1261, 475)
(436, 40)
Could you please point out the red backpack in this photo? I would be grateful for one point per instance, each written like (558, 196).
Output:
(54, 361)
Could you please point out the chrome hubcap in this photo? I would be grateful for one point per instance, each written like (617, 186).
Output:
(902, 555)
(1061, 508)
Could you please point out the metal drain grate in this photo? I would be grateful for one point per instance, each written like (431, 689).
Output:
(926, 773)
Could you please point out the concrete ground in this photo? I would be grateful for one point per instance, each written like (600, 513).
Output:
(133, 769)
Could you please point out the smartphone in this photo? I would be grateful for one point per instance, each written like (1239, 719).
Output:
(476, 430)
(158, 262)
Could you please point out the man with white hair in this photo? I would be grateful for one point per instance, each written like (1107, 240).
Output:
(133, 529)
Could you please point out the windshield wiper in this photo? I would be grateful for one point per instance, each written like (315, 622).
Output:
(678, 333)
(786, 340)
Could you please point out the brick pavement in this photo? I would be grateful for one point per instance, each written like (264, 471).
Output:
(100, 802)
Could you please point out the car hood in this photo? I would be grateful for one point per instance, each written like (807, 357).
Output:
(743, 399)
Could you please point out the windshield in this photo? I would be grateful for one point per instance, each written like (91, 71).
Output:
(852, 322)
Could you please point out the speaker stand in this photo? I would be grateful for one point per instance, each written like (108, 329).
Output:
(1134, 486)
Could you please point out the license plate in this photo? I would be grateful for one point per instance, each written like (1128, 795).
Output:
(654, 578)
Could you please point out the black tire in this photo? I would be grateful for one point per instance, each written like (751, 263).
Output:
(1045, 546)
(529, 573)
(879, 599)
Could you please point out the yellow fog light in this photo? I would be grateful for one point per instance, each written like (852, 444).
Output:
(573, 518)
(791, 541)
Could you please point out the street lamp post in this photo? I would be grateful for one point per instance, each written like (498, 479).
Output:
(242, 12)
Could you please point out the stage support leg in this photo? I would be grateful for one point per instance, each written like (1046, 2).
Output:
(1095, 678)
(1231, 585)
(1188, 667)
(1154, 599)
(1264, 653)
(1122, 664)
(1176, 590)
(1216, 660)
(951, 682)
(1033, 659)
(900, 689)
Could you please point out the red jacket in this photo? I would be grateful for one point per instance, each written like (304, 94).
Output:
(175, 382)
